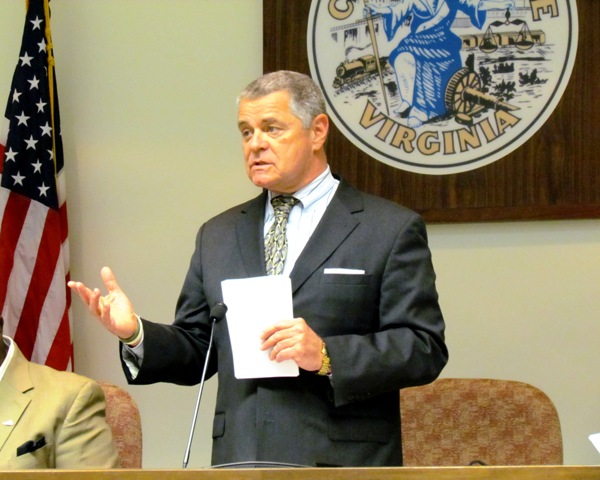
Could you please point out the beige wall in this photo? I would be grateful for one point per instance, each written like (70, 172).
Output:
(147, 91)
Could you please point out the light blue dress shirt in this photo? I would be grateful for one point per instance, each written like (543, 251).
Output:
(305, 216)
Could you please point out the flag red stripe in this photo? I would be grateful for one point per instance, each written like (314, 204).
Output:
(15, 213)
(41, 279)
(61, 351)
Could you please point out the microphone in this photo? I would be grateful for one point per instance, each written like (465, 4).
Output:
(216, 314)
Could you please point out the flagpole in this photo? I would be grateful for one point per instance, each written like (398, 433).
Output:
(49, 47)
(376, 52)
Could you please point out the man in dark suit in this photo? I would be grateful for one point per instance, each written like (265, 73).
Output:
(367, 320)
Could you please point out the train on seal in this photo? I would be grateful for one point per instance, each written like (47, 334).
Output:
(354, 70)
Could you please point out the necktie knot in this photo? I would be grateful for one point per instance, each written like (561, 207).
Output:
(283, 204)
(276, 241)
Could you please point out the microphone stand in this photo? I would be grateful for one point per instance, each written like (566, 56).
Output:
(216, 314)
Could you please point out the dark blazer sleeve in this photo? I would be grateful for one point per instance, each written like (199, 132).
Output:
(176, 353)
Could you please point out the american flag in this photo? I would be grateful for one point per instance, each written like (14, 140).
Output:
(34, 249)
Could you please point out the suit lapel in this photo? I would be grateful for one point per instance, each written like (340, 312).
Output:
(335, 226)
(15, 383)
(249, 234)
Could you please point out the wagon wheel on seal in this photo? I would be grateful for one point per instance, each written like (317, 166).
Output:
(457, 102)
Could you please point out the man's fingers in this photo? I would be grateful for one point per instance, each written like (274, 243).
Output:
(274, 338)
(93, 302)
(108, 277)
(81, 290)
(285, 350)
(104, 312)
(270, 331)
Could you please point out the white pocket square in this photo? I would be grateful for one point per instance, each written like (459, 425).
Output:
(595, 439)
(343, 271)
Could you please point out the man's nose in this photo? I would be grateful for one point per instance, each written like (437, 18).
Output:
(258, 141)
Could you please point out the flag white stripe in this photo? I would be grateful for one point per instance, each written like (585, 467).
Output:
(51, 314)
(4, 193)
(4, 124)
(25, 257)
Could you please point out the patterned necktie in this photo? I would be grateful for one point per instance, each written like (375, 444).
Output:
(276, 241)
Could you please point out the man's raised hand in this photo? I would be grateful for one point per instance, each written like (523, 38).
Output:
(114, 310)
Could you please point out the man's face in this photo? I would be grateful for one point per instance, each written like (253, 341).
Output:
(279, 152)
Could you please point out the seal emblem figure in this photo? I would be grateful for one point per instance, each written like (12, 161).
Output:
(441, 86)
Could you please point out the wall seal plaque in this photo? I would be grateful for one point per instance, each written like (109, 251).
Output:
(441, 86)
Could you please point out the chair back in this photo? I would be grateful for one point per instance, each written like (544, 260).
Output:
(462, 421)
(123, 417)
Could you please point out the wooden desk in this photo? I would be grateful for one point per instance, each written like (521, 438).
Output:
(403, 473)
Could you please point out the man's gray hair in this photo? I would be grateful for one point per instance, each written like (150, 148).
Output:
(306, 98)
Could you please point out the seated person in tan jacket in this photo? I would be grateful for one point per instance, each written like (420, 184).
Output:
(48, 418)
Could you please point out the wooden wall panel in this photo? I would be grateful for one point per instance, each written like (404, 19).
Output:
(554, 175)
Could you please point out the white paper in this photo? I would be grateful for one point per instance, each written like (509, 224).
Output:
(595, 439)
(254, 304)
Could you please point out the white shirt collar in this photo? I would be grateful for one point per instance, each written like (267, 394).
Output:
(9, 355)
(309, 194)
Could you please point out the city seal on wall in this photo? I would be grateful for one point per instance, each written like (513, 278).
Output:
(441, 86)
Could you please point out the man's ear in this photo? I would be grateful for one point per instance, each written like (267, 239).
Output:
(320, 129)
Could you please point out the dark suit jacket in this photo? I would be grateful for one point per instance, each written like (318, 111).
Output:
(383, 330)
(65, 409)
